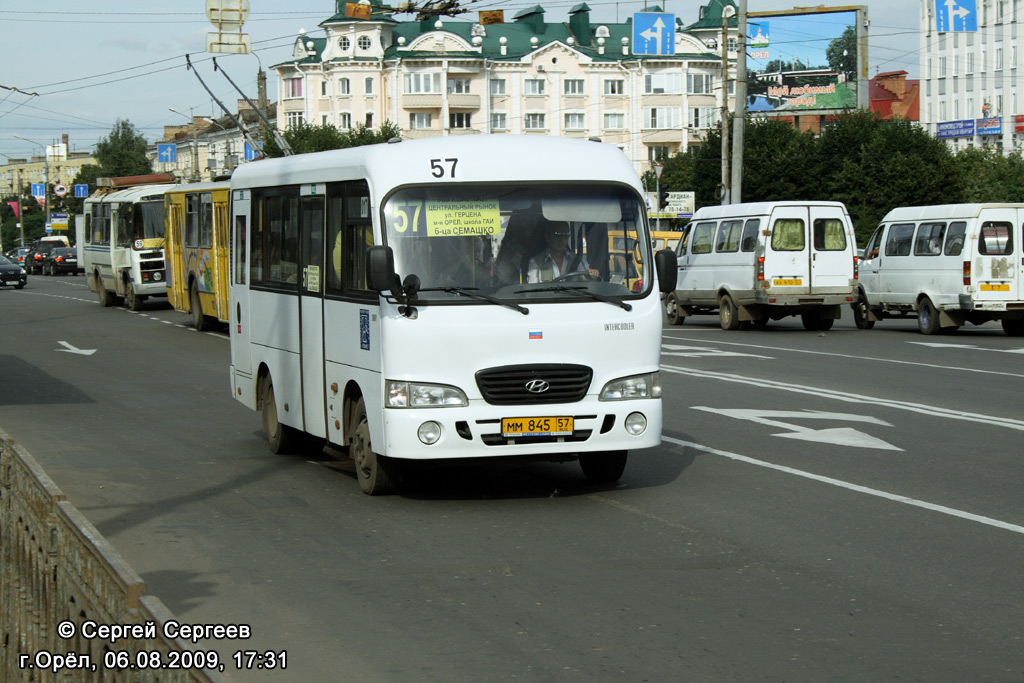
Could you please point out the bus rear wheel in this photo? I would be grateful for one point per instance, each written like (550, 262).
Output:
(201, 322)
(728, 315)
(377, 474)
(927, 317)
(282, 438)
(603, 468)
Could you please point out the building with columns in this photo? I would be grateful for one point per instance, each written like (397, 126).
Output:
(451, 76)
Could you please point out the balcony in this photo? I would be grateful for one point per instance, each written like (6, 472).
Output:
(431, 101)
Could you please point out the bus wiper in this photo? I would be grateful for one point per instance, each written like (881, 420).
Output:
(581, 291)
(473, 294)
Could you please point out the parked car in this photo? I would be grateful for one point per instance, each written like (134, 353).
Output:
(12, 274)
(17, 255)
(61, 260)
(34, 259)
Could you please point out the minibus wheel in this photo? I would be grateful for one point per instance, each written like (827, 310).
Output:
(1014, 328)
(727, 313)
(377, 474)
(672, 310)
(282, 438)
(860, 314)
(927, 317)
(603, 468)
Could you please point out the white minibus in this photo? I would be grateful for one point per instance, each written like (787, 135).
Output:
(764, 261)
(446, 298)
(949, 264)
(123, 254)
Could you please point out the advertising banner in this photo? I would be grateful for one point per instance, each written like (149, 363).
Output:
(955, 129)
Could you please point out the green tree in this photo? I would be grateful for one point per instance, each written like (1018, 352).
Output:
(988, 176)
(306, 138)
(842, 54)
(123, 152)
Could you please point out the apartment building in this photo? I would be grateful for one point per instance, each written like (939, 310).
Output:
(451, 76)
(971, 73)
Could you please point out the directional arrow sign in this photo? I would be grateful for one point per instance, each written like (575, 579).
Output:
(68, 348)
(654, 33)
(840, 436)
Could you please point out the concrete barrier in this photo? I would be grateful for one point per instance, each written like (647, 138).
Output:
(62, 586)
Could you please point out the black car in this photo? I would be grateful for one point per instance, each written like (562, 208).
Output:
(60, 260)
(12, 274)
(34, 259)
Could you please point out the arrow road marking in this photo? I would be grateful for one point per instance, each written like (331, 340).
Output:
(840, 436)
(68, 348)
(940, 345)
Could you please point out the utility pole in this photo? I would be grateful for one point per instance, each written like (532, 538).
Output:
(740, 115)
(46, 182)
(727, 12)
(195, 144)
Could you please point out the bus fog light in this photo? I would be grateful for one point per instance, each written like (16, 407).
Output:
(636, 424)
(429, 432)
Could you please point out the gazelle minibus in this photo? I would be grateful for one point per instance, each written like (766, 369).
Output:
(405, 301)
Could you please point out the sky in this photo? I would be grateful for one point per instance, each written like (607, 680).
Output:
(77, 66)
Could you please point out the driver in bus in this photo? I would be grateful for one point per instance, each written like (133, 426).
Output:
(557, 259)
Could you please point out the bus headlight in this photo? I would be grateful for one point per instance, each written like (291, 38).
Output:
(420, 395)
(429, 433)
(637, 386)
(636, 424)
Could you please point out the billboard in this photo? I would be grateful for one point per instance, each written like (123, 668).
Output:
(806, 60)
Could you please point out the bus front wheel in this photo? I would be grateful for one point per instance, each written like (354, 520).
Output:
(603, 468)
(377, 474)
(131, 298)
(106, 298)
(200, 321)
(282, 438)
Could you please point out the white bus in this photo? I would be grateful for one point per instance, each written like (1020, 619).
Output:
(389, 299)
(123, 256)
(950, 265)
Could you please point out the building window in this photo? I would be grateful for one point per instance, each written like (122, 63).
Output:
(294, 119)
(663, 117)
(614, 121)
(369, 119)
(325, 119)
(534, 122)
(614, 86)
(345, 120)
(458, 86)
(669, 83)
(459, 119)
(364, 42)
(344, 87)
(657, 152)
(499, 120)
(344, 43)
(323, 89)
(369, 86)
(575, 121)
(573, 86)
(535, 86)
(698, 84)
(293, 87)
(420, 121)
(498, 86)
(703, 117)
(422, 83)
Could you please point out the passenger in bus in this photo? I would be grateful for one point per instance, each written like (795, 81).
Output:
(557, 259)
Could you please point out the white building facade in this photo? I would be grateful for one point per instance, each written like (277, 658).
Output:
(457, 77)
(971, 80)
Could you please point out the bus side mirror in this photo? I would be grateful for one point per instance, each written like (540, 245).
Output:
(380, 269)
(666, 262)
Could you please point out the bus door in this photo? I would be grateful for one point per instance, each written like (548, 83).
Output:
(239, 321)
(220, 252)
(996, 260)
(787, 255)
(121, 239)
(311, 307)
(831, 251)
(173, 256)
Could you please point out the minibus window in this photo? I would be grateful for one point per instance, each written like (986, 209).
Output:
(729, 236)
(788, 235)
(749, 240)
(829, 235)
(929, 239)
(955, 238)
(901, 235)
(996, 238)
(703, 238)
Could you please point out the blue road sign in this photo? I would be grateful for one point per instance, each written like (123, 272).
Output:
(81, 190)
(654, 33)
(251, 153)
(166, 153)
(956, 15)
(38, 190)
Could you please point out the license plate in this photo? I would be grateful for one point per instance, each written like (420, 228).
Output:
(536, 426)
(787, 282)
(995, 288)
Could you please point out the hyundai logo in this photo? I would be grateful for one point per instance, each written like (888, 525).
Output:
(537, 386)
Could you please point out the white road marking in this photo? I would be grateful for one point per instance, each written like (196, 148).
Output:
(895, 497)
(966, 347)
(68, 348)
(839, 436)
(703, 351)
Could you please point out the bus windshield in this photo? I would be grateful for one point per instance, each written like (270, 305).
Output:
(522, 242)
(149, 220)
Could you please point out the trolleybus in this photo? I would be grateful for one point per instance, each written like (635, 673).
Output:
(396, 300)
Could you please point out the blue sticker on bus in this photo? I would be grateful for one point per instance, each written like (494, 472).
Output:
(364, 329)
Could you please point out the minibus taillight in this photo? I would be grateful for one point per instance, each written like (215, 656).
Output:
(856, 267)
(967, 273)
(760, 268)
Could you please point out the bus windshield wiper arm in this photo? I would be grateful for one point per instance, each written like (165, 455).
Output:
(473, 294)
(581, 291)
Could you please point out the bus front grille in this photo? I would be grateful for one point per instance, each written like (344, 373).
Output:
(518, 385)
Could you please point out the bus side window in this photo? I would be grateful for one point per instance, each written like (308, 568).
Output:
(929, 239)
(955, 238)
(349, 236)
(871, 250)
(206, 220)
(749, 240)
(703, 238)
(191, 220)
(240, 250)
(901, 236)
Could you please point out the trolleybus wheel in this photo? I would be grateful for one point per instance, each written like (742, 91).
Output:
(201, 322)
(282, 438)
(927, 317)
(377, 474)
(728, 316)
(106, 298)
(603, 468)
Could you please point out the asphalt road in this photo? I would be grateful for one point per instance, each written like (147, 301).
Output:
(825, 506)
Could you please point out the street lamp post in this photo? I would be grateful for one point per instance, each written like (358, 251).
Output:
(195, 144)
(46, 183)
